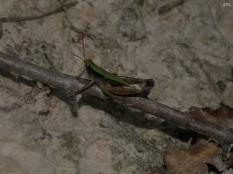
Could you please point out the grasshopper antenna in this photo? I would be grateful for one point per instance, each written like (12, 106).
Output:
(77, 56)
(83, 45)
(91, 83)
(84, 53)
(83, 50)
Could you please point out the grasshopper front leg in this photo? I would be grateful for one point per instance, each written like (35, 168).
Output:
(86, 87)
(103, 87)
(99, 84)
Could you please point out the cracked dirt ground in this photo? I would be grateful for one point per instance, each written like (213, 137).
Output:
(187, 51)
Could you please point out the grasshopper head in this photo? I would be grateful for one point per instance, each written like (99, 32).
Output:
(87, 62)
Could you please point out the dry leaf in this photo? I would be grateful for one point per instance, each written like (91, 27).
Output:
(193, 160)
(223, 116)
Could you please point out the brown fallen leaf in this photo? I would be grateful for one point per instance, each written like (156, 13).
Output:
(193, 160)
(222, 116)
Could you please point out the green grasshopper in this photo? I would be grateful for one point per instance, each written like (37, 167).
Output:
(113, 84)
(109, 83)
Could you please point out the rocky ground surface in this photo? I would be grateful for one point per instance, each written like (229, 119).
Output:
(187, 51)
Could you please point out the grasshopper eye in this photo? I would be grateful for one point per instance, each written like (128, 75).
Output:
(87, 62)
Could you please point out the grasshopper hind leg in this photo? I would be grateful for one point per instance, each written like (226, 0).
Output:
(107, 93)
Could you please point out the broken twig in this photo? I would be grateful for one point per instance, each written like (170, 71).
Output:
(70, 84)
(30, 18)
(169, 6)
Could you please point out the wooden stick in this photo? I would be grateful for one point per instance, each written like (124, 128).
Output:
(70, 84)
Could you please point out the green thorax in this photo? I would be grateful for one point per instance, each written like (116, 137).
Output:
(98, 70)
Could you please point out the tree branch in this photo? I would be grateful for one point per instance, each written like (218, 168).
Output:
(70, 84)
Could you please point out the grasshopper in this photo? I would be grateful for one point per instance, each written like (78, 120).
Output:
(110, 83)
(113, 84)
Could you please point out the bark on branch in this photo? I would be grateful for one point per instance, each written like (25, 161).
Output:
(70, 84)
